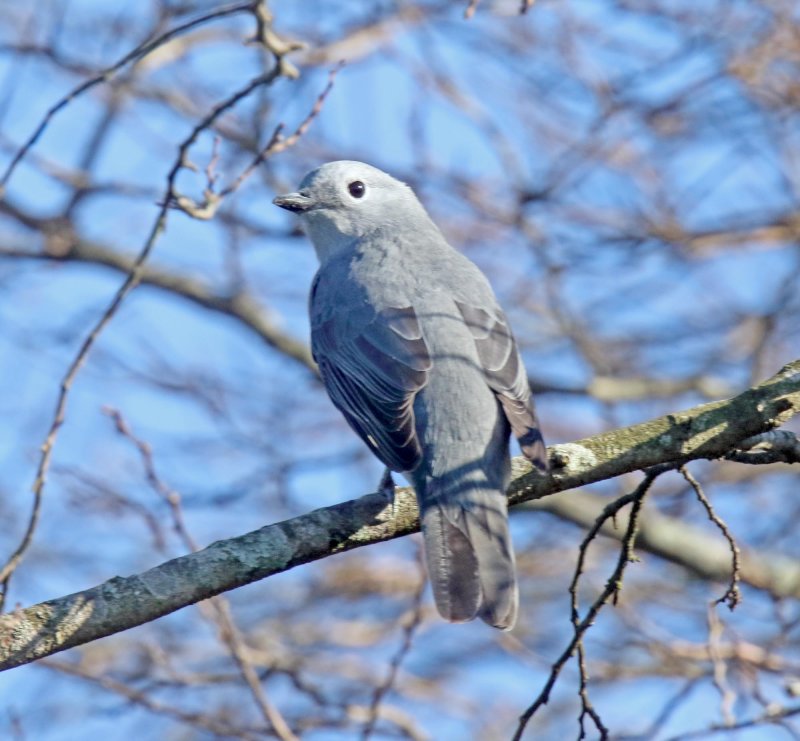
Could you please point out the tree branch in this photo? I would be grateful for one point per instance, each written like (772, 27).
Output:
(242, 307)
(672, 539)
(707, 431)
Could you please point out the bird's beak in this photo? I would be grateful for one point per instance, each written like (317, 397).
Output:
(296, 202)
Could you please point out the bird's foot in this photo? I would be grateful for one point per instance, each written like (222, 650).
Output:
(386, 487)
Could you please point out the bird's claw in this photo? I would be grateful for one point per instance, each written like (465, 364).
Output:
(386, 487)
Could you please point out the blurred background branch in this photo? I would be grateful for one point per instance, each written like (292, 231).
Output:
(626, 173)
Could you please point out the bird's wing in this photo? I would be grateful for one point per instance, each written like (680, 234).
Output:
(373, 363)
(505, 374)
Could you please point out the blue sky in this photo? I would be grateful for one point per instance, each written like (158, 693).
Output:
(224, 464)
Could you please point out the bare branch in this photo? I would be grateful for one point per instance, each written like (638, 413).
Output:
(707, 431)
(136, 54)
(277, 143)
(221, 727)
(775, 446)
(217, 609)
(239, 306)
(130, 283)
(611, 591)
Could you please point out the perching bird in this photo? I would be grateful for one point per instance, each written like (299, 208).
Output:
(416, 353)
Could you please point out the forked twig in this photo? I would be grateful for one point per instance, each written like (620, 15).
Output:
(277, 143)
(139, 52)
(611, 592)
(132, 279)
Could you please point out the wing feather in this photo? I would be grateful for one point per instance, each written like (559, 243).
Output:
(373, 363)
(505, 374)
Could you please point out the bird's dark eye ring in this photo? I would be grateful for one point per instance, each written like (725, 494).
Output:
(357, 189)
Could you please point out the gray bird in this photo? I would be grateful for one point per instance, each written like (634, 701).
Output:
(416, 353)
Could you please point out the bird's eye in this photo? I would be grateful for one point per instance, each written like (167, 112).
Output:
(357, 189)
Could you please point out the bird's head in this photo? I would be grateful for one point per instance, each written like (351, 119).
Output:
(340, 202)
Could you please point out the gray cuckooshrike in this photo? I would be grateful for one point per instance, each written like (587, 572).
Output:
(416, 353)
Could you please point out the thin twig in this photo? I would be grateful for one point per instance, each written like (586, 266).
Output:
(612, 589)
(211, 202)
(732, 596)
(220, 613)
(277, 143)
(169, 495)
(130, 283)
(211, 168)
(412, 620)
(139, 52)
(586, 704)
(770, 715)
(235, 643)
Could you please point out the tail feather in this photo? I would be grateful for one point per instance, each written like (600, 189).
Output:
(488, 533)
(470, 558)
(452, 567)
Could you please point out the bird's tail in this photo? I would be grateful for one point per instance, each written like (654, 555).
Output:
(469, 553)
